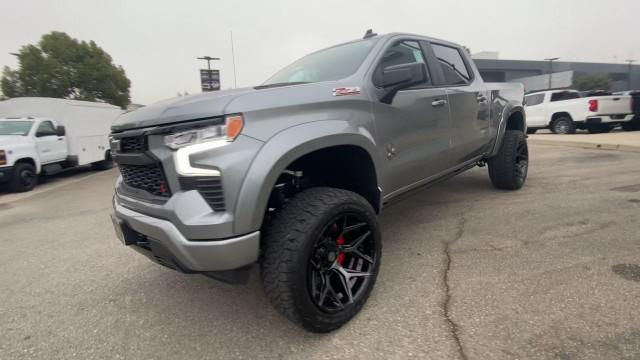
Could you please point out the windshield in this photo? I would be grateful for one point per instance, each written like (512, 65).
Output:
(15, 127)
(333, 63)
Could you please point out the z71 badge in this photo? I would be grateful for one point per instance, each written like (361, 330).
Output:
(343, 91)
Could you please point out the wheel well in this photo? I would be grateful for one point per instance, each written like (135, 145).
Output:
(347, 167)
(516, 121)
(27, 161)
(558, 115)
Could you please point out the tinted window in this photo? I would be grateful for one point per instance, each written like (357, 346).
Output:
(452, 65)
(334, 63)
(403, 52)
(534, 99)
(45, 129)
(565, 95)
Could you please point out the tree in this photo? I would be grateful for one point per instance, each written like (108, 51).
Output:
(592, 82)
(62, 67)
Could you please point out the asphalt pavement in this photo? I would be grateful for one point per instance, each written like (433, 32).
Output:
(469, 272)
(615, 140)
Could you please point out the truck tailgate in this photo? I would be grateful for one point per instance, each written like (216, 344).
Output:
(613, 105)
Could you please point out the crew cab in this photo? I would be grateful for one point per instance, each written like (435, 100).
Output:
(291, 174)
(46, 135)
(564, 111)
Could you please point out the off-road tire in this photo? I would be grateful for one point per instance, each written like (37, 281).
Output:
(288, 243)
(24, 177)
(563, 125)
(505, 169)
(105, 164)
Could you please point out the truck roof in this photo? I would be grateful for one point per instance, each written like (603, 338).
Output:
(79, 117)
(552, 91)
(390, 35)
(54, 101)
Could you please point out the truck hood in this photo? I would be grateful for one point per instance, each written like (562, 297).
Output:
(218, 103)
(12, 141)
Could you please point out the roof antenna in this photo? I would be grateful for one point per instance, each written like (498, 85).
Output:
(369, 34)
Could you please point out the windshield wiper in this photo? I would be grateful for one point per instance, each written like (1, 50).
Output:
(267, 86)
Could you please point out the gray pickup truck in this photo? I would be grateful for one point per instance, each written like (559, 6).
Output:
(291, 174)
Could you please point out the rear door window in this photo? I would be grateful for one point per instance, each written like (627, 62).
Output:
(453, 67)
(535, 99)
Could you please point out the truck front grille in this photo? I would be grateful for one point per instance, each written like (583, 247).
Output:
(133, 144)
(149, 178)
(209, 187)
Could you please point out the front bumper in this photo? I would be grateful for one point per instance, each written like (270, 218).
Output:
(163, 243)
(5, 173)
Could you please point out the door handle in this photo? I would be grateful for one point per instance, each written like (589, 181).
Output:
(481, 98)
(60, 139)
(437, 103)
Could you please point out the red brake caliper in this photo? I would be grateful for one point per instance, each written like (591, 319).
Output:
(340, 241)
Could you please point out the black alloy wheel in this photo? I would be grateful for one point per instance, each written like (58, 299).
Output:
(321, 256)
(24, 177)
(522, 161)
(508, 169)
(341, 264)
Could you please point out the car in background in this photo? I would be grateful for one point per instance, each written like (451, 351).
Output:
(45, 135)
(564, 111)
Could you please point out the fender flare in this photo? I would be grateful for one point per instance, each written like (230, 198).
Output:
(508, 110)
(32, 159)
(280, 151)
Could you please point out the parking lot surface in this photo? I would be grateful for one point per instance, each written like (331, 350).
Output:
(468, 272)
(615, 140)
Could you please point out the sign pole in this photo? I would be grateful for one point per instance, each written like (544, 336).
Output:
(208, 80)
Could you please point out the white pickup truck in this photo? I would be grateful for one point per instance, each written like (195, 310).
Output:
(564, 111)
(45, 135)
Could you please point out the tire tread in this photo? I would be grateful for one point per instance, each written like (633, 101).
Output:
(502, 166)
(283, 247)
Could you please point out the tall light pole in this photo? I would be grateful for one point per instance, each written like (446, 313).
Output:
(551, 60)
(209, 58)
(630, 61)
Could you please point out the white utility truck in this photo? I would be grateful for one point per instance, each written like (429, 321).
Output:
(45, 135)
(564, 111)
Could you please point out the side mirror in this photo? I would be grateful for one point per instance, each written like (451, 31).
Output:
(397, 77)
(60, 131)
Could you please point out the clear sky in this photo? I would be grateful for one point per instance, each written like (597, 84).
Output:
(157, 41)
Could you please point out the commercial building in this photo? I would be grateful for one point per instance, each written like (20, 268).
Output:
(623, 76)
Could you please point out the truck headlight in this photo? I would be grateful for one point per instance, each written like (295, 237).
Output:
(3, 158)
(193, 141)
(220, 134)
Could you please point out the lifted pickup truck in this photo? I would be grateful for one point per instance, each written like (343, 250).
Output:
(291, 174)
(564, 111)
